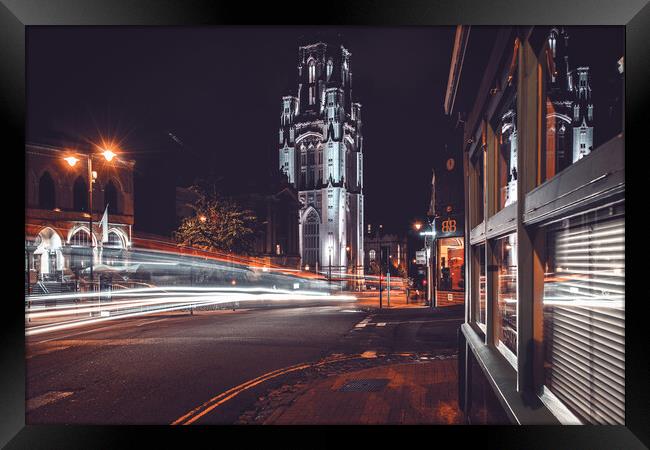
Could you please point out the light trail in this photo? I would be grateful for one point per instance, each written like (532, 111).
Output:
(164, 304)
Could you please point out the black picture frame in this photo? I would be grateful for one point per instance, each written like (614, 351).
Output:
(16, 15)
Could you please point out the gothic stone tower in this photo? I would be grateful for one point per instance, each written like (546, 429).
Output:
(320, 151)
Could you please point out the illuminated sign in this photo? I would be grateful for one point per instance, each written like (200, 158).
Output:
(449, 226)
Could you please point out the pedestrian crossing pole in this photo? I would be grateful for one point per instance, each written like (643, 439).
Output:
(380, 305)
(388, 286)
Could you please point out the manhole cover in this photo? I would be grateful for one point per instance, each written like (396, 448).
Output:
(367, 385)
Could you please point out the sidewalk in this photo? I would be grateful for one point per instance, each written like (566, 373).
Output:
(397, 300)
(413, 393)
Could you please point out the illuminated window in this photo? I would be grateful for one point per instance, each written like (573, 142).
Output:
(330, 67)
(311, 239)
(312, 71)
(81, 238)
(480, 254)
(451, 264)
(372, 255)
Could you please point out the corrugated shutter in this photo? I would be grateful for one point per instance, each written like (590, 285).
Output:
(584, 317)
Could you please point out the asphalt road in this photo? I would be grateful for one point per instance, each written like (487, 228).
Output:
(155, 369)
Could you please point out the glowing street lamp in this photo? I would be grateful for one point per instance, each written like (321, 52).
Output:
(417, 226)
(109, 155)
(71, 160)
(203, 219)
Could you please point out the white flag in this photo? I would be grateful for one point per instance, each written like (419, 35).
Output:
(104, 225)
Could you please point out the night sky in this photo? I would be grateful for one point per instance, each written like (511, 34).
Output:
(219, 91)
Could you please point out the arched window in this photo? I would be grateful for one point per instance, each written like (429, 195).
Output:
(311, 239)
(372, 255)
(330, 67)
(80, 238)
(114, 240)
(46, 192)
(312, 71)
(80, 195)
(110, 197)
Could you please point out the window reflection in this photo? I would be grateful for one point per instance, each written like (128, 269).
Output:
(569, 120)
(506, 146)
(480, 250)
(506, 323)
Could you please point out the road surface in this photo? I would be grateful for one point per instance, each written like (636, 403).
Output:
(157, 369)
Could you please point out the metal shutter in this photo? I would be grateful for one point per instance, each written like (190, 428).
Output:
(584, 317)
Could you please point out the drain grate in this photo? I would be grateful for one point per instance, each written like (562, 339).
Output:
(365, 385)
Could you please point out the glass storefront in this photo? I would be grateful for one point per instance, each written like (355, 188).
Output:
(451, 264)
(506, 314)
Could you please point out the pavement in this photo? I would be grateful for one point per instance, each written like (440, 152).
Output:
(421, 392)
(397, 300)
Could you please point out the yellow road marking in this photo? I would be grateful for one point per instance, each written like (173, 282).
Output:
(217, 400)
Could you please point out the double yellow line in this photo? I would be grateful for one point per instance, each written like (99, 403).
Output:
(217, 400)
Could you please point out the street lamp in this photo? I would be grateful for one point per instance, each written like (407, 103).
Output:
(72, 161)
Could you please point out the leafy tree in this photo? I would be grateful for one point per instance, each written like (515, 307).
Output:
(218, 223)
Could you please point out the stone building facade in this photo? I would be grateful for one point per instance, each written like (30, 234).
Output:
(57, 238)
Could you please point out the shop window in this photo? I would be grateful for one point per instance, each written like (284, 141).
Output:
(451, 264)
(568, 117)
(584, 315)
(506, 313)
(479, 169)
(479, 251)
(506, 148)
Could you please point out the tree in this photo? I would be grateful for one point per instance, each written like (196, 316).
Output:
(218, 223)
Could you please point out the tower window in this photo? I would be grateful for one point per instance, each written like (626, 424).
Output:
(46, 192)
(312, 71)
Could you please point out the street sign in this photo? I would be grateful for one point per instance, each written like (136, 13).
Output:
(421, 257)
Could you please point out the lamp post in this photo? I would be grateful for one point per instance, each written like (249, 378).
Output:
(429, 240)
(72, 161)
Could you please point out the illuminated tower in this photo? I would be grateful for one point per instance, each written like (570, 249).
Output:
(320, 150)
(583, 116)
